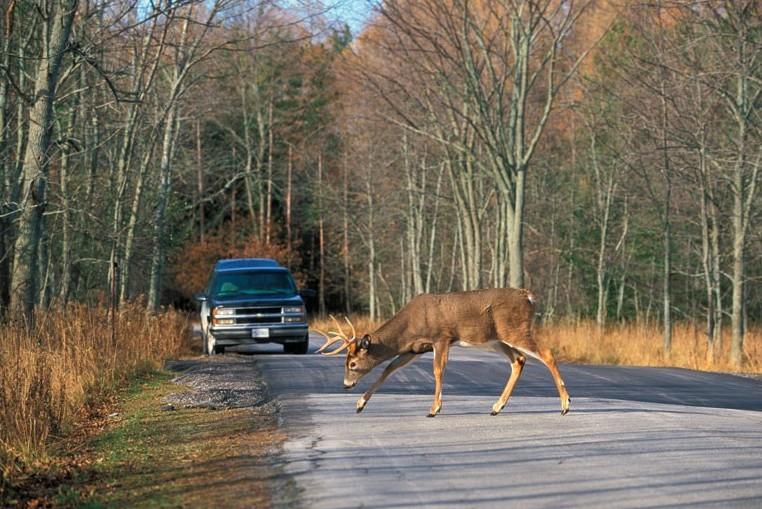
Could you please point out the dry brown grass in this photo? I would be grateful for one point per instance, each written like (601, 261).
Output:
(630, 344)
(52, 374)
(641, 345)
(363, 324)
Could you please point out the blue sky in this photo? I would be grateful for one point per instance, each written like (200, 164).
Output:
(353, 12)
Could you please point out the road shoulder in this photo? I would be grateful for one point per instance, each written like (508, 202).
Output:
(184, 437)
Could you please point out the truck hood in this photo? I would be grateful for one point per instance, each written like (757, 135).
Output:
(264, 300)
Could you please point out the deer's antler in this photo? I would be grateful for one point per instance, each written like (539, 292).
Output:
(335, 336)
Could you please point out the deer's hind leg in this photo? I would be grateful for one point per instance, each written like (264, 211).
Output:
(545, 356)
(526, 344)
(517, 361)
(441, 351)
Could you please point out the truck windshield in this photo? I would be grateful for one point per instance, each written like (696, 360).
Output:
(230, 284)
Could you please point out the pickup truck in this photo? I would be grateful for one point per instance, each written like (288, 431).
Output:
(250, 301)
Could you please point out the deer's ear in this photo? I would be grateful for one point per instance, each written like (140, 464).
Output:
(364, 342)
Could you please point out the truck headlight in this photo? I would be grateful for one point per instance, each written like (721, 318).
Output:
(294, 309)
(218, 313)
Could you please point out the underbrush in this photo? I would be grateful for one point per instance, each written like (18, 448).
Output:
(362, 323)
(642, 345)
(56, 374)
(634, 344)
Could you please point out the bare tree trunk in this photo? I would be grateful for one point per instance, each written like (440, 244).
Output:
(42, 299)
(345, 239)
(497, 255)
(66, 237)
(200, 182)
(233, 209)
(604, 192)
(261, 147)
(269, 197)
(414, 220)
(321, 240)
(433, 231)
(707, 257)
(248, 178)
(36, 158)
(404, 275)
(716, 279)
(6, 239)
(739, 240)
(516, 233)
(159, 225)
(667, 278)
(744, 192)
(289, 170)
(132, 222)
(623, 264)
(469, 219)
(666, 227)
(372, 299)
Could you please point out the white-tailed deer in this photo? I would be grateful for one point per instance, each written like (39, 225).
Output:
(500, 319)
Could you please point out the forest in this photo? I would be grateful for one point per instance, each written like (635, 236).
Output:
(603, 153)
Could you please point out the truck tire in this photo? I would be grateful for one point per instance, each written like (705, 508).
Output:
(299, 348)
(204, 344)
(210, 347)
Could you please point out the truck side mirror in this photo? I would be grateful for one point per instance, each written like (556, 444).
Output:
(307, 293)
(201, 297)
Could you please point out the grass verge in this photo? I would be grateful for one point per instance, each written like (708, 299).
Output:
(56, 375)
(150, 455)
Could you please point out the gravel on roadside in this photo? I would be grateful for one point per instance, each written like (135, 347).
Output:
(221, 382)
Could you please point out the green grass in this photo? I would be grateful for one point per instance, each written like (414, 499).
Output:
(174, 458)
(141, 445)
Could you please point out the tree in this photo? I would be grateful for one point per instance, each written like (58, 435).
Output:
(56, 20)
(496, 66)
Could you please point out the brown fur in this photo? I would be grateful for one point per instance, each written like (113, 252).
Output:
(500, 318)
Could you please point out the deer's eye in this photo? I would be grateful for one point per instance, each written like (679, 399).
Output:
(352, 365)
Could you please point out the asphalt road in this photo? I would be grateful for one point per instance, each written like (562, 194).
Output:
(635, 437)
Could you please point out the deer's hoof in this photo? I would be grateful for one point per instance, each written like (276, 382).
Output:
(565, 408)
(433, 413)
(496, 409)
(360, 405)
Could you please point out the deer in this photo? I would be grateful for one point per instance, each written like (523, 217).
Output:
(499, 319)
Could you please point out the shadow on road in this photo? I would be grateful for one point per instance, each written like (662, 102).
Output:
(484, 374)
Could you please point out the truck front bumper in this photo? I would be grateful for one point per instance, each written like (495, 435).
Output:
(252, 334)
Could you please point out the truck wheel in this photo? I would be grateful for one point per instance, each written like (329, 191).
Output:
(209, 345)
(298, 348)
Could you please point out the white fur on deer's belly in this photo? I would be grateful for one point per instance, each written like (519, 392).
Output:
(480, 346)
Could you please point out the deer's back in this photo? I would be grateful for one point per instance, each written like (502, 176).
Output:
(473, 315)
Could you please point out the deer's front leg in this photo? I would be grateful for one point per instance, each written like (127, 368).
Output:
(441, 351)
(400, 362)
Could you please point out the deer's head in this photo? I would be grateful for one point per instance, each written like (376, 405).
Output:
(362, 355)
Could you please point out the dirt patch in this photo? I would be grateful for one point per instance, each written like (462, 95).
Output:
(203, 433)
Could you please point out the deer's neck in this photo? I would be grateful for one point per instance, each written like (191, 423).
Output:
(392, 334)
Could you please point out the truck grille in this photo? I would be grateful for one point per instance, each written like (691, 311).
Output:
(254, 311)
(258, 315)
